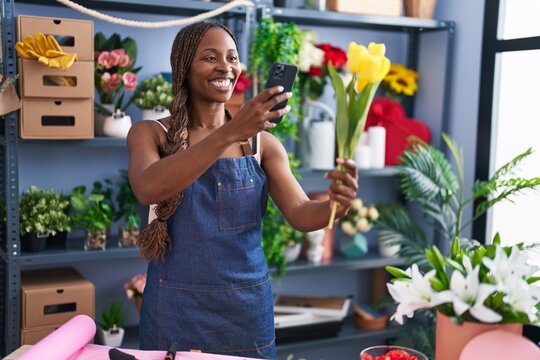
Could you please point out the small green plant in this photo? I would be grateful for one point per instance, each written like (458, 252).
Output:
(43, 212)
(127, 204)
(277, 41)
(153, 92)
(112, 316)
(93, 212)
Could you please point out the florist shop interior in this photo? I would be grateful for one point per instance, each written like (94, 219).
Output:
(425, 247)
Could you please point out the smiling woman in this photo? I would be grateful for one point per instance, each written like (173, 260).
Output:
(208, 285)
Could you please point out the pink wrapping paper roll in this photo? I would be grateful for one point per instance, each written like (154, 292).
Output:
(70, 342)
(64, 343)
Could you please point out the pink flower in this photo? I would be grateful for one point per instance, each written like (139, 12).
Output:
(107, 59)
(130, 293)
(123, 58)
(110, 82)
(130, 80)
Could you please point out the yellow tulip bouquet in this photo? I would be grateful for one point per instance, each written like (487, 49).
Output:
(369, 66)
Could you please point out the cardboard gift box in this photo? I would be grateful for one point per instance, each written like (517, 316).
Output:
(74, 36)
(367, 7)
(308, 317)
(53, 119)
(33, 335)
(38, 80)
(51, 297)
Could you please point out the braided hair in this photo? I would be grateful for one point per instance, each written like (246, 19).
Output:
(154, 241)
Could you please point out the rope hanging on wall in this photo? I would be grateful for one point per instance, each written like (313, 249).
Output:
(157, 24)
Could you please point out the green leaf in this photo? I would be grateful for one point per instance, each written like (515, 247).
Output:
(395, 227)
(497, 239)
(457, 153)
(455, 248)
(437, 284)
(99, 41)
(114, 42)
(455, 265)
(130, 46)
(342, 121)
(438, 257)
(397, 272)
(358, 113)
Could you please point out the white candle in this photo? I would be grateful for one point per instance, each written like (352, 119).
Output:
(321, 143)
(363, 157)
(377, 143)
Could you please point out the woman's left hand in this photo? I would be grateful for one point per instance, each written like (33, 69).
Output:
(344, 185)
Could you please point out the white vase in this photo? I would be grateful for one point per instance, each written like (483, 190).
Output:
(156, 113)
(388, 250)
(111, 337)
(316, 249)
(116, 125)
(291, 252)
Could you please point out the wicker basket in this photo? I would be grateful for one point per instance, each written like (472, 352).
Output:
(420, 8)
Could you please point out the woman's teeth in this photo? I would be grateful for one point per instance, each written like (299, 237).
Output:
(221, 83)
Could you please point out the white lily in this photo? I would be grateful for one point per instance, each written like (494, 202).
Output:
(468, 294)
(504, 268)
(523, 297)
(415, 293)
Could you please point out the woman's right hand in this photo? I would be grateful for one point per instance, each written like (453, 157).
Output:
(255, 115)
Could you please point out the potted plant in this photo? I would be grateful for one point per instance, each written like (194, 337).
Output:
(154, 96)
(358, 221)
(114, 74)
(429, 181)
(127, 208)
(293, 242)
(42, 213)
(61, 223)
(110, 324)
(93, 213)
(275, 41)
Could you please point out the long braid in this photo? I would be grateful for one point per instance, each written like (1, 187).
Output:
(154, 241)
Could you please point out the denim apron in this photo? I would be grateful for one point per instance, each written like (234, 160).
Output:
(212, 292)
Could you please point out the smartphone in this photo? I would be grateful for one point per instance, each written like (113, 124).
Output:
(281, 74)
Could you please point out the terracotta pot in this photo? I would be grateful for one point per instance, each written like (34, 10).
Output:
(452, 338)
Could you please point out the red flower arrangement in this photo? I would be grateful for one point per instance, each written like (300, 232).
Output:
(315, 78)
(243, 83)
(390, 352)
(391, 355)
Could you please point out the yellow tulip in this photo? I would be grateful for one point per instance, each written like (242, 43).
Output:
(370, 64)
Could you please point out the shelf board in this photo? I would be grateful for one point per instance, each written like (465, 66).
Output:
(338, 263)
(100, 141)
(75, 253)
(386, 171)
(348, 334)
(331, 18)
(166, 7)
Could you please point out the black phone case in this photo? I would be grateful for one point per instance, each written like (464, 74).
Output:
(281, 74)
